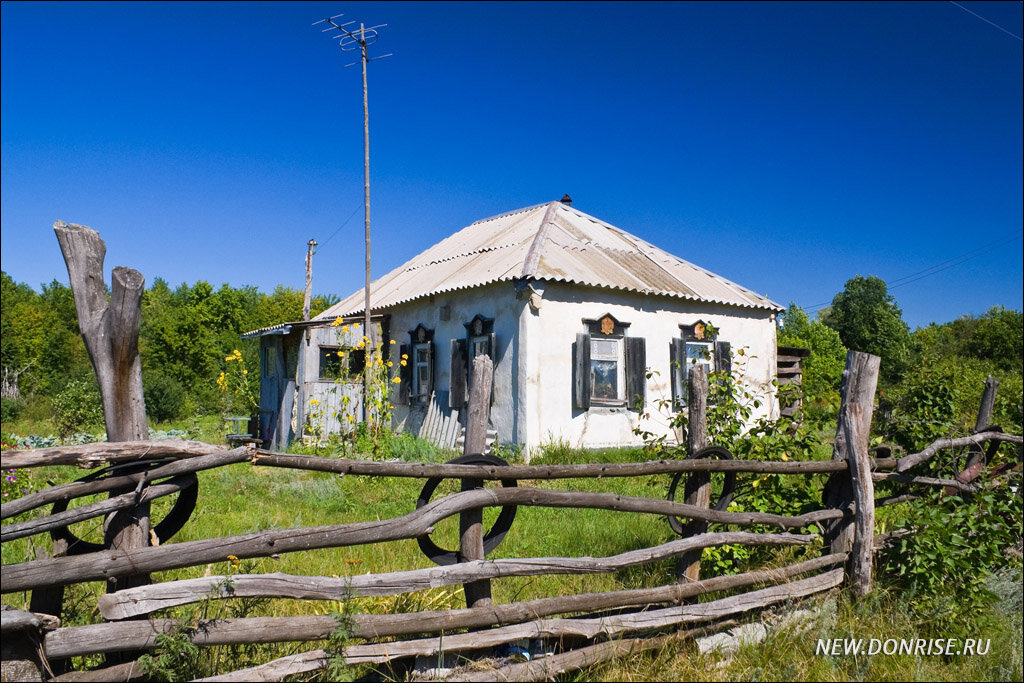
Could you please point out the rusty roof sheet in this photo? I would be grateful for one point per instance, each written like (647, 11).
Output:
(554, 242)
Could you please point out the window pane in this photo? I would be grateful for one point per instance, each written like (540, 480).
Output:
(604, 379)
(604, 348)
(421, 355)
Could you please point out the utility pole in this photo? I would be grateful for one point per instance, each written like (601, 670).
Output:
(350, 38)
(310, 250)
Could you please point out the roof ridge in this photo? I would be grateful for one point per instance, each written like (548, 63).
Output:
(508, 213)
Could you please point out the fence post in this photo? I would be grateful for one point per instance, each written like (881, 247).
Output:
(853, 491)
(698, 484)
(988, 403)
(471, 537)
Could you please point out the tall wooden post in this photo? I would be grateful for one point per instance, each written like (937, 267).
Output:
(988, 402)
(698, 484)
(111, 333)
(471, 541)
(853, 491)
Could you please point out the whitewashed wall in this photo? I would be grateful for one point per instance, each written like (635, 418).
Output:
(551, 414)
(533, 392)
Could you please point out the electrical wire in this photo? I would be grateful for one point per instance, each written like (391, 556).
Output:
(934, 269)
(344, 223)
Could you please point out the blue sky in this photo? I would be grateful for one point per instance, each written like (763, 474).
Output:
(785, 146)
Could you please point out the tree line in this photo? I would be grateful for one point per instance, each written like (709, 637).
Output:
(189, 335)
(186, 335)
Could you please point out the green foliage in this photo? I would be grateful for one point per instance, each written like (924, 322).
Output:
(867, 319)
(10, 409)
(165, 397)
(77, 407)
(822, 371)
(174, 658)
(956, 542)
(995, 338)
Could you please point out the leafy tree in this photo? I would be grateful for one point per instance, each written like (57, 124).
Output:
(823, 369)
(867, 319)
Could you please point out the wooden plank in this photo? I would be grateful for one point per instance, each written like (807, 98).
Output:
(133, 635)
(379, 653)
(100, 566)
(148, 599)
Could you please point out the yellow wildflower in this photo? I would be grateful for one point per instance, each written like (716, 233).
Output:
(314, 402)
(390, 364)
(355, 325)
(397, 380)
(365, 338)
(345, 329)
(245, 372)
(391, 342)
(337, 321)
(402, 363)
(785, 457)
(361, 345)
(755, 484)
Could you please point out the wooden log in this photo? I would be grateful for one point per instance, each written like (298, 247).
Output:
(148, 599)
(860, 377)
(128, 671)
(77, 489)
(698, 484)
(92, 455)
(924, 481)
(545, 472)
(110, 329)
(101, 566)
(909, 461)
(378, 653)
(124, 501)
(134, 635)
(471, 527)
(863, 498)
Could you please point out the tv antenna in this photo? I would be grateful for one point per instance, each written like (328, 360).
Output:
(360, 38)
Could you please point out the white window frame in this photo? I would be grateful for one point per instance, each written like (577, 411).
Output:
(418, 394)
(618, 357)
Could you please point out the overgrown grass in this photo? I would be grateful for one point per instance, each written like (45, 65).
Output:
(242, 498)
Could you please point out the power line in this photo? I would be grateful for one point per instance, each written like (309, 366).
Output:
(934, 269)
(985, 20)
(343, 224)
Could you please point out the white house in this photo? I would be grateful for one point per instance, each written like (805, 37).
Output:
(589, 328)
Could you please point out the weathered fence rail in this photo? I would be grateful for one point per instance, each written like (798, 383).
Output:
(146, 470)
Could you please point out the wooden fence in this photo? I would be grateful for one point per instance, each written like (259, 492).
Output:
(583, 629)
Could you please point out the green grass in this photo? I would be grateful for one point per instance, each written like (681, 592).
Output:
(241, 498)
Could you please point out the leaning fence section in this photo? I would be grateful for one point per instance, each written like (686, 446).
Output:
(583, 628)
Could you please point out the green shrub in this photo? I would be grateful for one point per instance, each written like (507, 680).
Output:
(11, 409)
(165, 398)
(77, 407)
(956, 543)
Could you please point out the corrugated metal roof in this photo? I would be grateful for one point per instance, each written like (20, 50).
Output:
(554, 242)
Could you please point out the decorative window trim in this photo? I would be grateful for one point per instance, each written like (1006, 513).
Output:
(628, 355)
(700, 337)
